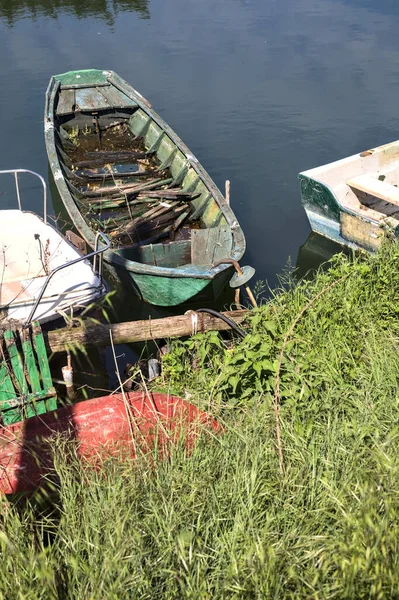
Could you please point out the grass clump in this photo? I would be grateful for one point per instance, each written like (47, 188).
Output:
(223, 522)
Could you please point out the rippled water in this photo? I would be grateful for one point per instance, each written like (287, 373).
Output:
(258, 89)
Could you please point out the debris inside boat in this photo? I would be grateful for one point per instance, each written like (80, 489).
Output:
(124, 192)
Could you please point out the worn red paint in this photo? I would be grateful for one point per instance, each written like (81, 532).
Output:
(102, 427)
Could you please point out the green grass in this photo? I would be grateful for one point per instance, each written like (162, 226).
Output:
(223, 522)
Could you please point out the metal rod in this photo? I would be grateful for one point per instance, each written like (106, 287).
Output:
(68, 264)
(15, 173)
(237, 267)
(17, 188)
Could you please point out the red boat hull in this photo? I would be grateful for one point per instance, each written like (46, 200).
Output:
(110, 425)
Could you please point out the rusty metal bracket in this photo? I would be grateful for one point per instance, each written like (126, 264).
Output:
(76, 241)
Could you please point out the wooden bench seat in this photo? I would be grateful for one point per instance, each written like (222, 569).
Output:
(375, 187)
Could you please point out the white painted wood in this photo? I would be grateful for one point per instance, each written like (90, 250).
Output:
(373, 186)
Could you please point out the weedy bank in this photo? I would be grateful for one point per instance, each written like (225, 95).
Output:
(297, 499)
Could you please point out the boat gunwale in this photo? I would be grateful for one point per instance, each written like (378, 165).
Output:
(191, 271)
(342, 208)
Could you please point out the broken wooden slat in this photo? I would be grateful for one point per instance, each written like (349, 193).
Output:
(41, 353)
(115, 98)
(66, 102)
(145, 217)
(30, 362)
(179, 222)
(97, 162)
(172, 193)
(9, 409)
(35, 406)
(16, 362)
(110, 172)
(126, 188)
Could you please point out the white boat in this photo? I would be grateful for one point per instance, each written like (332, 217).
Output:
(42, 275)
(355, 200)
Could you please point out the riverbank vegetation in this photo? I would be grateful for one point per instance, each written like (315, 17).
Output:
(298, 498)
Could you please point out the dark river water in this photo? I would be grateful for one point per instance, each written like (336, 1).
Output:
(258, 89)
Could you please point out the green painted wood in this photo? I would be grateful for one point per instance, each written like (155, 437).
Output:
(35, 406)
(10, 411)
(169, 291)
(30, 362)
(21, 392)
(175, 254)
(16, 363)
(83, 77)
(210, 245)
(167, 162)
(40, 347)
(66, 102)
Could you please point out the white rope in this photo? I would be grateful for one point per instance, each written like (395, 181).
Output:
(194, 321)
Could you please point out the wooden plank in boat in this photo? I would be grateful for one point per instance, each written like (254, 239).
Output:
(210, 245)
(174, 254)
(375, 187)
(90, 99)
(66, 102)
(115, 98)
(364, 233)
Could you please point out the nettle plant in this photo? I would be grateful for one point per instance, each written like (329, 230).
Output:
(333, 317)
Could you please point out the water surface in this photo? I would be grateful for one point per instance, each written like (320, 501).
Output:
(258, 89)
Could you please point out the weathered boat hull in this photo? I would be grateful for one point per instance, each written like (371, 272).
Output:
(165, 284)
(100, 428)
(353, 201)
(172, 291)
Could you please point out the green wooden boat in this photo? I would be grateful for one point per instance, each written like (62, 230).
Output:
(120, 168)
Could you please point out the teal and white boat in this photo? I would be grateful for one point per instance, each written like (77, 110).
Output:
(120, 168)
(354, 201)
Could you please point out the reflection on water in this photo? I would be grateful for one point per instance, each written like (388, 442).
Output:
(106, 10)
(258, 90)
(316, 251)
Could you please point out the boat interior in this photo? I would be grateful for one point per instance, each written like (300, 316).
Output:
(132, 181)
(366, 183)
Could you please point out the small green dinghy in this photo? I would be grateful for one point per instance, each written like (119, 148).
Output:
(120, 169)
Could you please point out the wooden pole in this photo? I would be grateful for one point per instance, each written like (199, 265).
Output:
(227, 194)
(91, 336)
